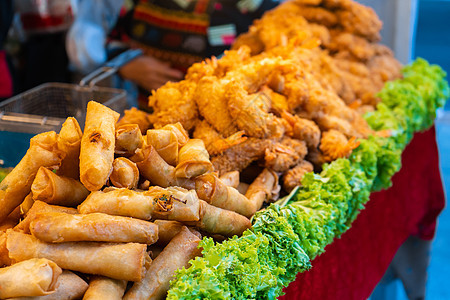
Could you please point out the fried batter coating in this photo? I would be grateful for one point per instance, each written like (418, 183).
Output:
(240, 156)
(335, 145)
(294, 176)
(303, 129)
(282, 156)
(173, 103)
(215, 143)
(360, 20)
(213, 105)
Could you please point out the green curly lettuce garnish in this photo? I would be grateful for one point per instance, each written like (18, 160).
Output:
(285, 238)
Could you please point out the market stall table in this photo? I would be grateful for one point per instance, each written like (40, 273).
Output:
(352, 266)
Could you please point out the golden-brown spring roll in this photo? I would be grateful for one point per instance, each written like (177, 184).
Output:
(4, 253)
(193, 160)
(97, 146)
(167, 230)
(56, 227)
(220, 221)
(264, 188)
(27, 203)
(128, 139)
(243, 187)
(9, 222)
(119, 202)
(40, 207)
(165, 143)
(135, 116)
(16, 185)
(153, 167)
(231, 178)
(176, 255)
(58, 190)
(69, 287)
(180, 132)
(125, 173)
(101, 287)
(69, 140)
(211, 189)
(184, 203)
(32, 277)
(118, 261)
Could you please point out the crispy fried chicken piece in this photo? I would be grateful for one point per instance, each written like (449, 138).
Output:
(250, 112)
(135, 116)
(357, 46)
(173, 103)
(318, 15)
(294, 176)
(335, 145)
(240, 156)
(386, 67)
(213, 105)
(215, 143)
(249, 39)
(303, 129)
(278, 101)
(282, 156)
(360, 20)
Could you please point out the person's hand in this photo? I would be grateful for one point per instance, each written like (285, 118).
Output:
(149, 73)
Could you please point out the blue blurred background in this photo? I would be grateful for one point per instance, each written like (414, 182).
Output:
(432, 42)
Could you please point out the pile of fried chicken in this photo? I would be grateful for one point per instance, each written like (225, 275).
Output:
(291, 93)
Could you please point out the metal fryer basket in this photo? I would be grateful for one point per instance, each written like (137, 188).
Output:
(46, 106)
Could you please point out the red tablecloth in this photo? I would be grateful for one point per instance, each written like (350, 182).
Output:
(352, 265)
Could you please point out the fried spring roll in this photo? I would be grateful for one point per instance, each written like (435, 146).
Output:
(153, 167)
(69, 287)
(264, 188)
(41, 207)
(27, 203)
(167, 230)
(211, 189)
(165, 143)
(220, 221)
(118, 261)
(128, 139)
(4, 253)
(135, 116)
(56, 227)
(69, 141)
(193, 160)
(184, 203)
(32, 277)
(97, 146)
(180, 132)
(119, 202)
(105, 288)
(58, 190)
(231, 178)
(176, 255)
(16, 185)
(125, 173)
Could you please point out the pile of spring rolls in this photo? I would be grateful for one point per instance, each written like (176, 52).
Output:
(114, 211)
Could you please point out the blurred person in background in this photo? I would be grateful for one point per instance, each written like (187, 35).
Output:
(41, 27)
(173, 34)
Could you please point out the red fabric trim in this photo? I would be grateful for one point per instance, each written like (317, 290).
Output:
(352, 265)
(36, 21)
(6, 86)
(180, 26)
